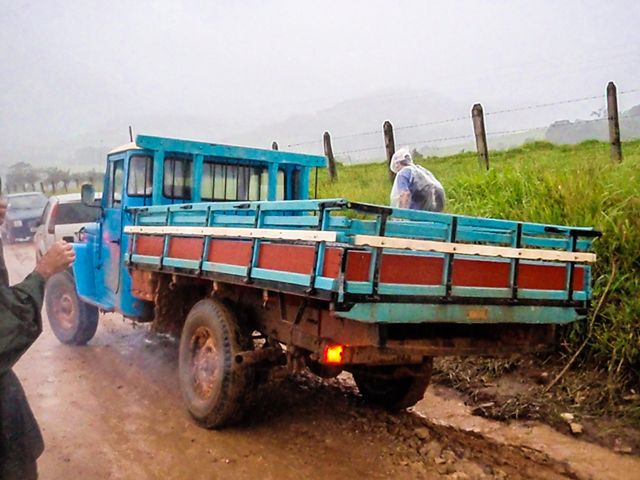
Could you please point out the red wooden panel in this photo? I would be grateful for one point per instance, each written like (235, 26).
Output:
(187, 248)
(478, 273)
(232, 252)
(411, 269)
(548, 277)
(149, 245)
(332, 260)
(287, 258)
(358, 266)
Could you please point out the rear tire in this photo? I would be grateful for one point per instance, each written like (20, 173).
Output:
(73, 321)
(382, 385)
(214, 386)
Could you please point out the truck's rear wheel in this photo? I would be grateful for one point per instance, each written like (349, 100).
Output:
(214, 385)
(394, 388)
(73, 321)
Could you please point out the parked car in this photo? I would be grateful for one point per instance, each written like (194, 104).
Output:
(25, 209)
(62, 218)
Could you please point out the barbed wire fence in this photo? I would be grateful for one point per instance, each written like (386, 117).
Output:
(479, 134)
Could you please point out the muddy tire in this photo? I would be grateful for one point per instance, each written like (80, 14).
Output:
(214, 386)
(385, 386)
(73, 321)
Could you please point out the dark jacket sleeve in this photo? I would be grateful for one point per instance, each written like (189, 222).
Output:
(20, 320)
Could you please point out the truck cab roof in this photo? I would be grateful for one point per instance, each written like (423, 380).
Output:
(222, 151)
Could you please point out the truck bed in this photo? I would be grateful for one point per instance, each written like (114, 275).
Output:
(373, 263)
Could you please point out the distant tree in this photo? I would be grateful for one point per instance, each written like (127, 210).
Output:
(90, 176)
(57, 175)
(22, 172)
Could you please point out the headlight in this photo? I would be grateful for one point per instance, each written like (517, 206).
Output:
(17, 223)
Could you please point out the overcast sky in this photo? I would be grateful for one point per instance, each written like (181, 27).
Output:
(72, 68)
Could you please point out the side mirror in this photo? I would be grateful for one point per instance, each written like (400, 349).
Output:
(88, 194)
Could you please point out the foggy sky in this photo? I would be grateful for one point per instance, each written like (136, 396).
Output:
(72, 70)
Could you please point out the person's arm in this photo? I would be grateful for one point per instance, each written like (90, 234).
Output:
(20, 321)
(403, 180)
(20, 305)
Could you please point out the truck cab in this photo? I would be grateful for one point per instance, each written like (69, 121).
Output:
(156, 171)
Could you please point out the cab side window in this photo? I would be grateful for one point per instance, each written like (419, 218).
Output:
(222, 182)
(116, 182)
(140, 176)
(177, 178)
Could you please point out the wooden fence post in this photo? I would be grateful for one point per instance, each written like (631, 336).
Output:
(614, 123)
(274, 146)
(477, 116)
(389, 146)
(328, 152)
(42, 187)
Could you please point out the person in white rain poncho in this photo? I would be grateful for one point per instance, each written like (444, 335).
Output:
(415, 187)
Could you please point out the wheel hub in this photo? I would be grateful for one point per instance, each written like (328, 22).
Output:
(64, 311)
(204, 362)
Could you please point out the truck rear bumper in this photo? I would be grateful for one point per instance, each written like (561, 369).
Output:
(385, 313)
(408, 345)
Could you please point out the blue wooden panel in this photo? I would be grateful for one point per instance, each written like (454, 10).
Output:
(181, 263)
(422, 290)
(542, 294)
(358, 287)
(452, 313)
(280, 276)
(421, 230)
(326, 283)
(468, 234)
(298, 221)
(231, 220)
(146, 259)
(478, 292)
(224, 268)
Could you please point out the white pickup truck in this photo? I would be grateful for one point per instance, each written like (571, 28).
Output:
(62, 218)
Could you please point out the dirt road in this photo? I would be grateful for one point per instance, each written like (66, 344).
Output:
(112, 410)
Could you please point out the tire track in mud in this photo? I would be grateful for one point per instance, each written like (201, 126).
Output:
(451, 451)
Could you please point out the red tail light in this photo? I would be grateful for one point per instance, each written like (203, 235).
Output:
(52, 219)
(333, 355)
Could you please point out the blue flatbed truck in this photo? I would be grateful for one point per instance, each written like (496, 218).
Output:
(222, 245)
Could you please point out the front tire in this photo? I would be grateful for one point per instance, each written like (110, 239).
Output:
(214, 386)
(390, 388)
(73, 321)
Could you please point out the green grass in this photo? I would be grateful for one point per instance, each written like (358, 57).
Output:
(541, 182)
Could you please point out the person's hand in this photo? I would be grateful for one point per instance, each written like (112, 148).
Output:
(57, 259)
(3, 210)
(405, 199)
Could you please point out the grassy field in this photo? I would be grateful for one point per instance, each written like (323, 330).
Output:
(541, 182)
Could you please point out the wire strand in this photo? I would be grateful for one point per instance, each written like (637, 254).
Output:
(465, 117)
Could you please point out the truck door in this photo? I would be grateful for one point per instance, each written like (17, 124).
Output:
(112, 227)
